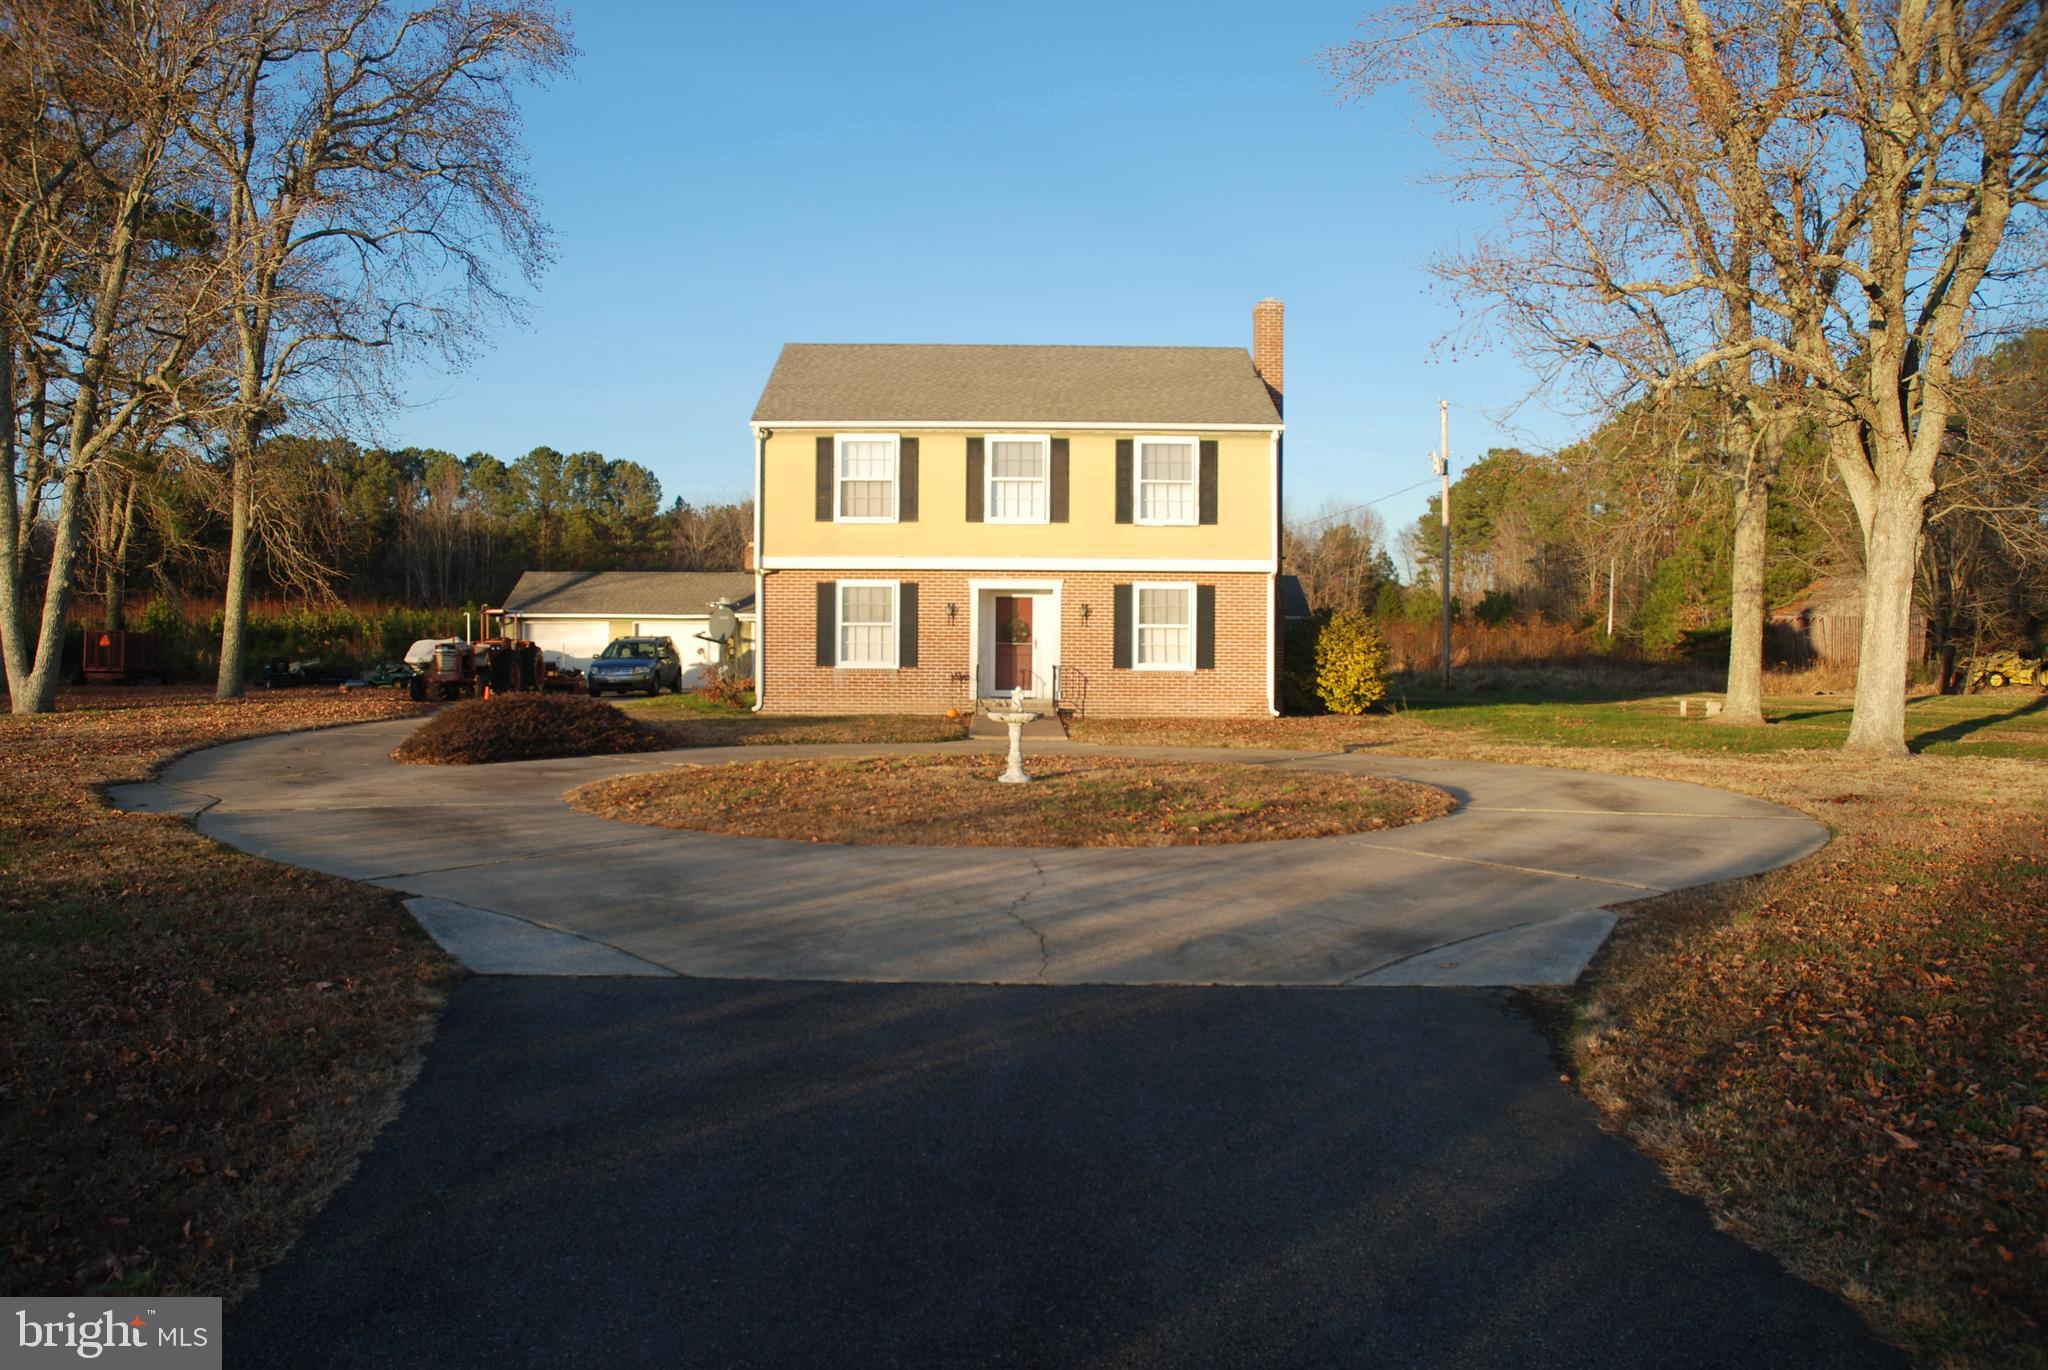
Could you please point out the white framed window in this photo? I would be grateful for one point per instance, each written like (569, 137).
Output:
(867, 623)
(1019, 477)
(1163, 626)
(1166, 473)
(864, 485)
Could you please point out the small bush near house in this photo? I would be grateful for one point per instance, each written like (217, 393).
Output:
(1351, 664)
(526, 727)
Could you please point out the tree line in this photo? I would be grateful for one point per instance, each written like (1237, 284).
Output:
(1639, 520)
(416, 525)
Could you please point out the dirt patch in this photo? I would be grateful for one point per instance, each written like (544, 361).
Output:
(195, 1044)
(956, 801)
(526, 727)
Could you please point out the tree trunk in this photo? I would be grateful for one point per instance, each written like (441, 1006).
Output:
(13, 627)
(1745, 702)
(234, 648)
(39, 695)
(1891, 550)
(115, 616)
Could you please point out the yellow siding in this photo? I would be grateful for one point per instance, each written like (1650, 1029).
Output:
(1243, 530)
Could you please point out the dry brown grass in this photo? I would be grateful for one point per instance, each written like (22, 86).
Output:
(1325, 732)
(956, 801)
(196, 1044)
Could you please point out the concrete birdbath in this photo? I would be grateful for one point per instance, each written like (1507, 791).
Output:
(1015, 717)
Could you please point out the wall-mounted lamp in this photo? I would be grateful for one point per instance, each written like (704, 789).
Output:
(1085, 611)
(952, 610)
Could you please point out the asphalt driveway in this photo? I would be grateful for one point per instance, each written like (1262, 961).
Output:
(672, 1172)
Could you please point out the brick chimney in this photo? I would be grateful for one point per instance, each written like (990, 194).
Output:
(1269, 347)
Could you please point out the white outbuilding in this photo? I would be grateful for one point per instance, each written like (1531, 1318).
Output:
(573, 614)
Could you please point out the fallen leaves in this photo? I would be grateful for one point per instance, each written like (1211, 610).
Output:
(1072, 801)
(180, 1097)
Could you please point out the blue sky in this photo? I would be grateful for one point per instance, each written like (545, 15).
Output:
(726, 178)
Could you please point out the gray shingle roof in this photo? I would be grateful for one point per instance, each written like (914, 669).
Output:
(630, 594)
(974, 383)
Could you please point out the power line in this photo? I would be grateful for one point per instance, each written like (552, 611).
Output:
(1327, 518)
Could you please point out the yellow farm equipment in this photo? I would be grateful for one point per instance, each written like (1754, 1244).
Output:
(2001, 669)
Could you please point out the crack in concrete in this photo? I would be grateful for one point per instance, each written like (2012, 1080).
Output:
(1010, 911)
(539, 926)
(1442, 947)
(519, 859)
(1507, 866)
(1642, 813)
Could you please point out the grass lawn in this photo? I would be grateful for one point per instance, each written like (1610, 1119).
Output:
(695, 720)
(196, 1044)
(2009, 724)
(2005, 723)
(956, 801)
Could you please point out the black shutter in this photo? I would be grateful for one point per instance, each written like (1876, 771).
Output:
(1056, 499)
(906, 623)
(906, 481)
(825, 476)
(1120, 625)
(1125, 456)
(1205, 626)
(976, 465)
(1205, 486)
(828, 623)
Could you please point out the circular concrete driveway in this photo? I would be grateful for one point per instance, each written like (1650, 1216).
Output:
(1511, 889)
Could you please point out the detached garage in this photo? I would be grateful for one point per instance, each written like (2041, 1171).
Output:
(573, 614)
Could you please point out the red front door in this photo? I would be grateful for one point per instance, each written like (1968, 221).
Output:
(1013, 643)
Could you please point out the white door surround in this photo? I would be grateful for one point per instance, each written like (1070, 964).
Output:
(1045, 630)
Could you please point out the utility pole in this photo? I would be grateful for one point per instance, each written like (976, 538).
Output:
(1442, 460)
(1611, 562)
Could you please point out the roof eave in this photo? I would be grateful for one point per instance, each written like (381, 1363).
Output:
(1273, 425)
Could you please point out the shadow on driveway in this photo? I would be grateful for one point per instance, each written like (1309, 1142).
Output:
(678, 1172)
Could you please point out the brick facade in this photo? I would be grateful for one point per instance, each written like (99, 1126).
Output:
(1090, 684)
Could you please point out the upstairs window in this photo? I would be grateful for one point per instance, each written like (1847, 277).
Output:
(1166, 480)
(1018, 468)
(866, 486)
(867, 623)
(1164, 627)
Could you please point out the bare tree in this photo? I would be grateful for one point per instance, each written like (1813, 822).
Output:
(367, 159)
(90, 188)
(1859, 171)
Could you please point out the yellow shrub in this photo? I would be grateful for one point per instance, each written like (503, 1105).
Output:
(1351, 664)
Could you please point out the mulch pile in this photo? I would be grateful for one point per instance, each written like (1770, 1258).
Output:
(526, 727)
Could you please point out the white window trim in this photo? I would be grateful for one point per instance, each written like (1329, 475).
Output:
(895, 588)
(988, 475)
(895, 441)
(1138, 481)
(1138, 623)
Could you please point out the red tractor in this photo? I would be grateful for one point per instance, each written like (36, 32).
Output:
(449, 668)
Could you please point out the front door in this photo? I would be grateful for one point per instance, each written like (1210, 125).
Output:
(1013, 643)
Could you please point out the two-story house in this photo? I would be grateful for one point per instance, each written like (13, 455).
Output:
(1099, 526)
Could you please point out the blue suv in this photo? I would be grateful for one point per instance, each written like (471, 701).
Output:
(646, 664)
